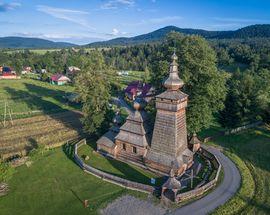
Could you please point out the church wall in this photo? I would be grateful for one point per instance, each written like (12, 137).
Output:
(109, 150)
(129, 148)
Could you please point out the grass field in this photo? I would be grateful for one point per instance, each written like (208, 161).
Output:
(117, 168)
(250, 151)
(29, 133)
(124, 80)
(43, 51)
(30, 95)
(55, 185)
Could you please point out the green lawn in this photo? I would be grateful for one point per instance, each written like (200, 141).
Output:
(53, 184)
(29, 95)
(250, 150)
(120, 169)
(124, 80)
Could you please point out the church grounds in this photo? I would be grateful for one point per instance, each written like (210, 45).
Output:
(205, 170)
(54, 176)
(115, 167)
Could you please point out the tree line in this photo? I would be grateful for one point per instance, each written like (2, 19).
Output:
(234, 97)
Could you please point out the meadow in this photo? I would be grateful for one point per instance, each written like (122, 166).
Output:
(54, 184)
(117, 168)
(26, 95)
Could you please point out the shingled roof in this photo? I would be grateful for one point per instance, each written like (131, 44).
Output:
(134, 130)
(172, 183)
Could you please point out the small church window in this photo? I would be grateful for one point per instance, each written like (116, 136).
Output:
(134, 149)
(124, 146)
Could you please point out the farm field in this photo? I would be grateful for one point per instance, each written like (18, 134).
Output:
(60, 181)
(43, 51)
(50, 130)
(27, 95)
(124, 80)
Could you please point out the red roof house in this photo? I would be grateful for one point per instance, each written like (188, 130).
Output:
(59, 79)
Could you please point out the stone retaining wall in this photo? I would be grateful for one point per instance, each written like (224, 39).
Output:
(108, 177)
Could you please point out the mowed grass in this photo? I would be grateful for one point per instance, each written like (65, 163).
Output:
(53, 184)
(124, 80)
(32, 95)
(250, 150)
(118, 168)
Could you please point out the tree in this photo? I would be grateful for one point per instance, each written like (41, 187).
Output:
(146, 75)
(94, 90)
(204, 84)
(243, 104)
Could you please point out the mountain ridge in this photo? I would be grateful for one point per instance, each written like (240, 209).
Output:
(251, 31)
(27, 42)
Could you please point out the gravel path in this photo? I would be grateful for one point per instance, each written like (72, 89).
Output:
(129, 205)
(230, 184)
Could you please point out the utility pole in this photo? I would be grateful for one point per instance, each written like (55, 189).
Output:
(7, 110)
(191, 178)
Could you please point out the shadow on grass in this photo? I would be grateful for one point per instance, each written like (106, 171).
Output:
(252, 146)
(75, 194)
(262, 207)
(119, 168)
(72, 120)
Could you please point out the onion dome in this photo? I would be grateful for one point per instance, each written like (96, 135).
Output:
(194, 139)
(136, 105)
(172, 183)
(173, 82)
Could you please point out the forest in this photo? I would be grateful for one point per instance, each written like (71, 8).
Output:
(227, 79)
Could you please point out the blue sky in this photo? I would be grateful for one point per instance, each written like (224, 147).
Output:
(84, 21)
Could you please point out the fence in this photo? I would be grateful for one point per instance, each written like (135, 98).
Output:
(244, 127)
(146, 188)
(108, 177)
(199, 191)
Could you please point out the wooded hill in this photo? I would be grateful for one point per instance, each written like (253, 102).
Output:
(252, 31)
(23, 42)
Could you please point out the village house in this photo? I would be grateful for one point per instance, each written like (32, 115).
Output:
(123, 73)
(139, 89)
(59, 79)
(7, 73)
(72, 71)
(26, 70)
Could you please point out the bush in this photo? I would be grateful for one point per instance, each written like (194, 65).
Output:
(6, 172)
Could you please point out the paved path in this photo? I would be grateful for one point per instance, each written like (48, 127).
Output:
(221, 194)
(120, 101)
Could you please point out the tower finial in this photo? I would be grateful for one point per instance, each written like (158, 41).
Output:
(173, 82)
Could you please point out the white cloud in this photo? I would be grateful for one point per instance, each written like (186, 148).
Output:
(115, 4)
(75, 16)
(115, 32)
(78, 38)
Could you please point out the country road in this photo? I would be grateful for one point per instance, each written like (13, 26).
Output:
(221, 194)
(228, 187)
